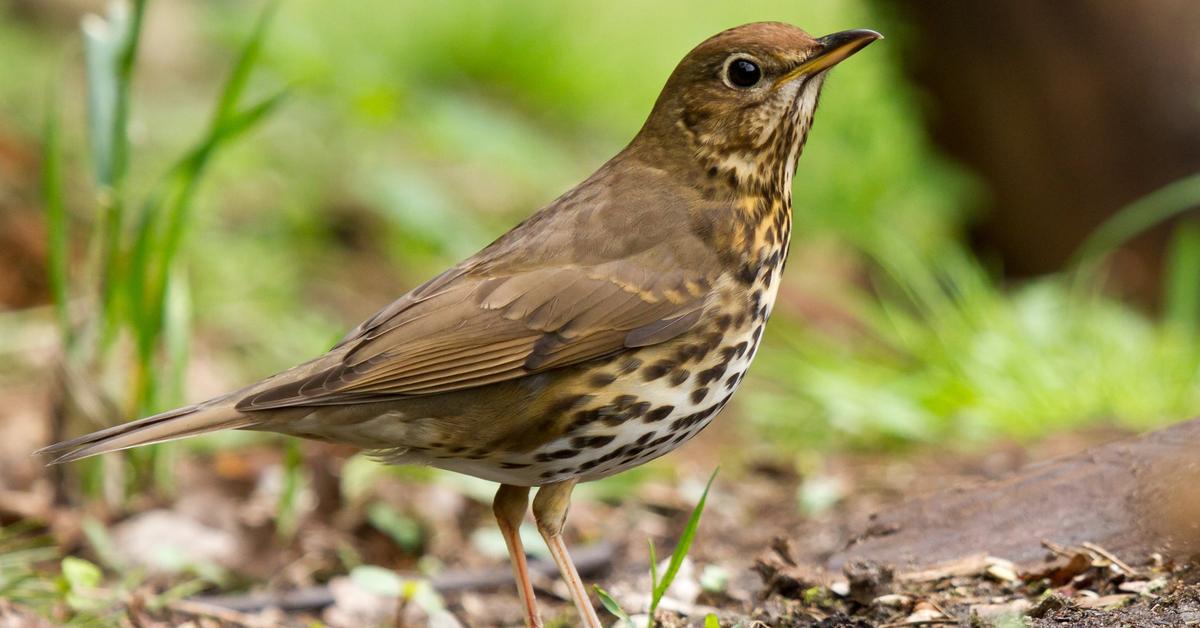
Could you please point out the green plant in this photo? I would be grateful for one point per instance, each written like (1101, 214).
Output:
(659, 583)
(132, 285)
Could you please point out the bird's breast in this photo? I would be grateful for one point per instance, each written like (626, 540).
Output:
(625, 411)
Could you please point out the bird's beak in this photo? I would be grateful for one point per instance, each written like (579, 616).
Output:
(834, 49)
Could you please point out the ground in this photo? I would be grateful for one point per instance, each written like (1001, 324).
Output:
(762, 554)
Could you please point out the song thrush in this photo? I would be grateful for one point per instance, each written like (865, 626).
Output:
(602, 332)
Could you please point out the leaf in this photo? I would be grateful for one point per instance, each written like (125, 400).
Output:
(611, 605)
(56, 217)
(378, 580)
(1181, 288)
(102, 543)
(653, 564)
(81, 574)
(711, 621)
(286, 515)
(1140, 215)
(247, 57)
(681, 550)
(405, 531)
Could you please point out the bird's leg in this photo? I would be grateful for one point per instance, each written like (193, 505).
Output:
(510, 505)
(550, 511)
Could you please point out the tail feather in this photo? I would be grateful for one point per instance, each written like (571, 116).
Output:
(210, 416)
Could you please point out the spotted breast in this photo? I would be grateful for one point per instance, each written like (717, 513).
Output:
(621, 412)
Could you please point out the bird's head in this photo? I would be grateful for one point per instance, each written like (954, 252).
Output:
(740, 104)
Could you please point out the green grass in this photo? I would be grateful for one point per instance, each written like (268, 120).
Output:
(659, 583)
(936, 350)
(132, 285)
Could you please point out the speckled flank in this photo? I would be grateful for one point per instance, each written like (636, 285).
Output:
(632, 410)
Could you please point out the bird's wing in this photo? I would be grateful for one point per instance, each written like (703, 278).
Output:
(466, 329)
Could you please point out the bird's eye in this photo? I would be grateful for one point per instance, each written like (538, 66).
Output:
(742, 72)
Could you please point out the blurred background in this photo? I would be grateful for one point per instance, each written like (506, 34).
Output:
(996, 241)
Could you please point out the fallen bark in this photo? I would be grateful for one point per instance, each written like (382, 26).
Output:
(1133, 497)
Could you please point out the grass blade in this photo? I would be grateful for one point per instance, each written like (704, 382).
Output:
(653, 564)
(56, 220)
(681, 550)
(1140, 215)
(612, 606)
(1181, 288)
(238, 77)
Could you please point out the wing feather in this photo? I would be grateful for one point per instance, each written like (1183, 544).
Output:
(571, 284)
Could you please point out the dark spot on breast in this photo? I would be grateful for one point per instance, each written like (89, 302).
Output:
(628, 365)
(754, 307)
(600, 380)
(591, 442)
(711, 341)
(732, 381)
(699, 394)
(645, 438)
(561, 454)
(513, 465)
(584, 417)
(658, 414)
(659, 441)
(614, 454)
(679, 376)
(623, 401)
(713, 172)
(657, 370)
(686, 352)
(723, 322)
(709, 375)
(747, 274)
(623, 408)
(568, 403)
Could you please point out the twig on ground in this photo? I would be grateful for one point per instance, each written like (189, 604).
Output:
(1109, 556)
(202, 609)
(941, 621)
(588, 560)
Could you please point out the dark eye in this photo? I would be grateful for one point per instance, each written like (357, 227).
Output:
(743, 73)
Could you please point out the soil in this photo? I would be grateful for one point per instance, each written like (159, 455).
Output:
(921, 538)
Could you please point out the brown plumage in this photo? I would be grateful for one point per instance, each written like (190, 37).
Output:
(602, 332)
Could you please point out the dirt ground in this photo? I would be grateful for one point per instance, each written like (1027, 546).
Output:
(771, 548)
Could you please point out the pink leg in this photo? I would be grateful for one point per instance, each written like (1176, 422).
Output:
(510, 505)
(550, 512)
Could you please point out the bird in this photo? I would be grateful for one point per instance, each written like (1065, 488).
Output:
(605, 330)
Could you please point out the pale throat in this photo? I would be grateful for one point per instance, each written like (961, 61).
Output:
(769, 166)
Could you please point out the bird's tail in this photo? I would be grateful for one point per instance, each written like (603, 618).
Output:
(209, 416)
